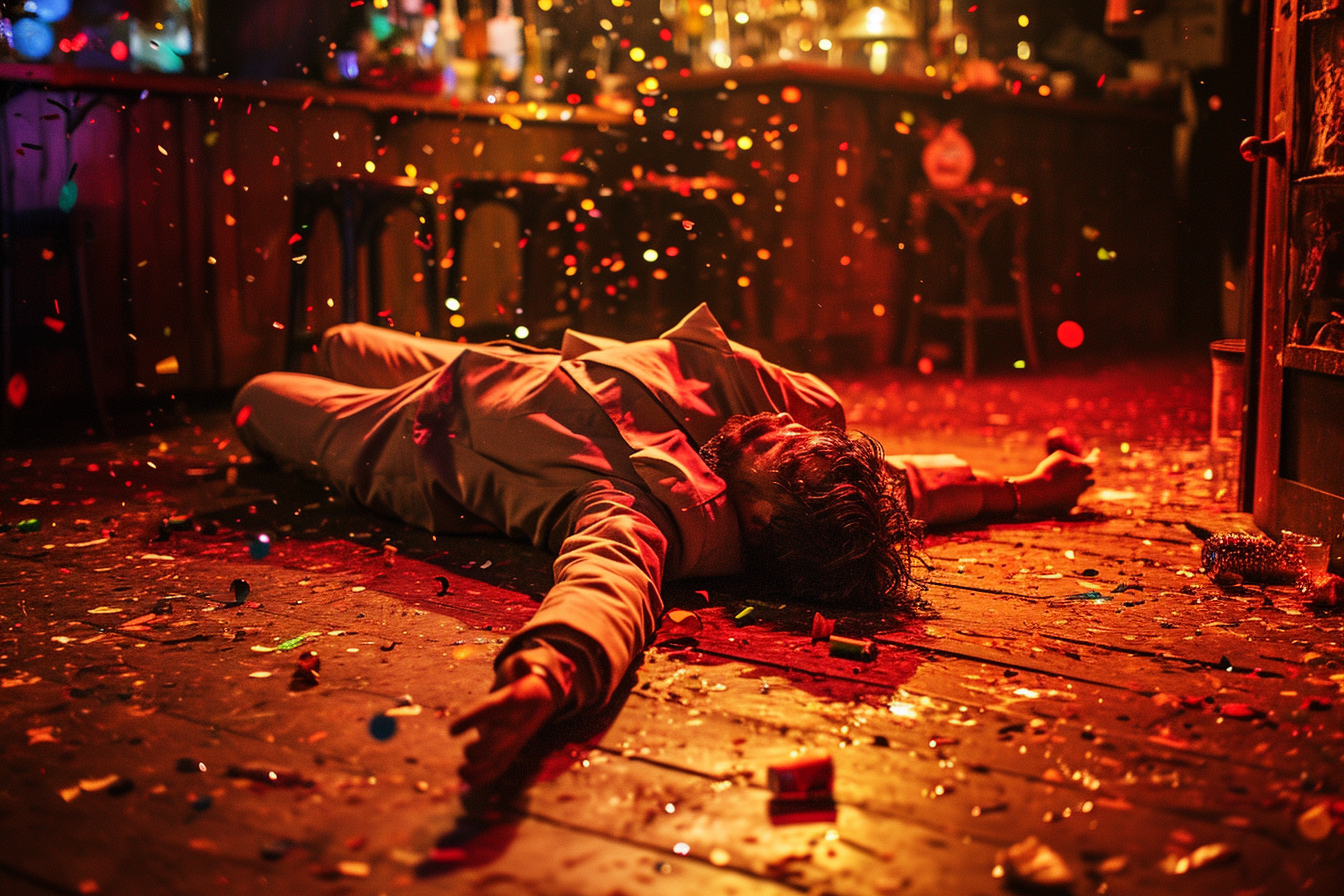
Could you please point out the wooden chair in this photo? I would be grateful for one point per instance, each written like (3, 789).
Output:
(972, 209)
(361, 206)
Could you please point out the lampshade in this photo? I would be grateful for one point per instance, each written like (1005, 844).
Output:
(877, 21)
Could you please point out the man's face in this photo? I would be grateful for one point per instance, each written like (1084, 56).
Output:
(745, 453)
(751, 447)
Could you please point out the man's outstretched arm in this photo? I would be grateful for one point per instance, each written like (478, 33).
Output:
(945, 490)
(593, 624)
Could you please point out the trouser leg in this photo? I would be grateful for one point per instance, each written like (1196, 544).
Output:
(358, 440)
(365, 355)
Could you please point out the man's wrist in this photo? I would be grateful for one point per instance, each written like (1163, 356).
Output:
(1015, 490)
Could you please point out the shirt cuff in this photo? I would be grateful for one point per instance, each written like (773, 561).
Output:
(559, 658)
(931, 479)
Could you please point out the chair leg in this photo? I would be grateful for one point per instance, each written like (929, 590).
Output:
(348, 223)
(428, 240)
(81, 296)
(1024, 294)
(977, 295)
(298, 284)
(911, 347)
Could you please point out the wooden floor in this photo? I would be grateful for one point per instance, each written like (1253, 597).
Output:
(1079, 681)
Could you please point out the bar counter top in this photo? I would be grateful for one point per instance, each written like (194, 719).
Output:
(861, 80)
(307, 93)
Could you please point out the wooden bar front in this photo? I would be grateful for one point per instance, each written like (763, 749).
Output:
(183, 198)
(830, 157)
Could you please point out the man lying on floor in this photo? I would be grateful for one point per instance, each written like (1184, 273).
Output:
(686, 455)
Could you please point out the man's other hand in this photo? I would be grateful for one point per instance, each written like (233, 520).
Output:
(1054, 486)
(505, 721)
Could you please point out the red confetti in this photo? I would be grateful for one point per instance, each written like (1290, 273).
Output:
(243, 415)
(229, 177)
(1069, 334)
(1239, 711)
(120, 51)
(17, 390)
(55, 324)
(571, 156)
(791, 95)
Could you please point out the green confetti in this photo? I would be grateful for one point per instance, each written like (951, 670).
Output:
(296, 641)
(29, 525)
(69, 195)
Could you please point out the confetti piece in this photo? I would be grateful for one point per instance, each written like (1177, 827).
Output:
(167, 366)
(156, 557)
(93, 785)
(68, 196)
(1316, 823)
(382, 726)
(259, 674)
(103, 611)
(353, 869)
(42, 735)
(681, 622)
(1070, 334)
(1031, 864)
(822, 628)
(16, 390)
(19, 681)
(296, 641)
(852, 648)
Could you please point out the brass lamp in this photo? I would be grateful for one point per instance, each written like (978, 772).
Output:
(874, 24)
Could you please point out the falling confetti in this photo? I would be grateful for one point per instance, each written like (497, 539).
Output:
(382, 726)
(68, 196)
(16, 390)
(1069, 334)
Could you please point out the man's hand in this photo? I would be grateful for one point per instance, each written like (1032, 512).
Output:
(504, 720)
(1054, 486)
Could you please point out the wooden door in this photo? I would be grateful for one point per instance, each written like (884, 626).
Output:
(1299, 446)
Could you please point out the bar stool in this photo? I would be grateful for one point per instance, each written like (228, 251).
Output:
(973, 208)
(361, 206)
(546, 206)
(45, 332)
(675, 239)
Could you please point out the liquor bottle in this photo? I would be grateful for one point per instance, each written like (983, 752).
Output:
(505, 36)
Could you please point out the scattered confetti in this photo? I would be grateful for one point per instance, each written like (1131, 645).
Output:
(382, 726)
(1030, 864)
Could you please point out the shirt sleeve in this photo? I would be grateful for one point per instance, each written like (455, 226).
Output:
(937, 492)
(605, 604)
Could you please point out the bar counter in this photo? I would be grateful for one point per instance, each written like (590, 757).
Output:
(830, 157)
(183, 199)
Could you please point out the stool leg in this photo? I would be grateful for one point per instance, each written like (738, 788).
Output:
(1024, 291)
(458, 202)
(428, 240)
(977, 288)
(912, 334)
(81, 296)
(348, 224)
(372, 225)
(298, 282)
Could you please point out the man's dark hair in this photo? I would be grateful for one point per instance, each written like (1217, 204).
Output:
(844, 535)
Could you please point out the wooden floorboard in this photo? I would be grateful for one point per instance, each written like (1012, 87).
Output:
(1080, 681)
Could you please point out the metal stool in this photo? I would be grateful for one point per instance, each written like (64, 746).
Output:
(694, 254)
(543, 203)
(361, 206)
(972, 208)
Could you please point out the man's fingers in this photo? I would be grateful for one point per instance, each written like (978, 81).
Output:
(472, 716)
